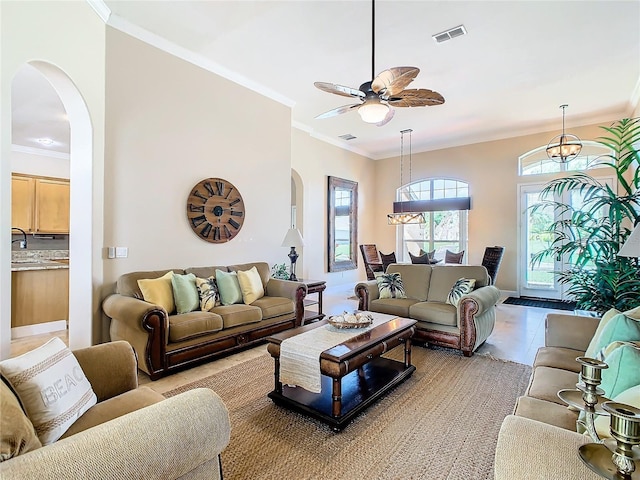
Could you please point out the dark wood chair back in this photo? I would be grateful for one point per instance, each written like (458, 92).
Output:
(372, 262)
(387, 259)
(492, 260)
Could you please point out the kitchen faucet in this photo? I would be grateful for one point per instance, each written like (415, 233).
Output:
(23, 242)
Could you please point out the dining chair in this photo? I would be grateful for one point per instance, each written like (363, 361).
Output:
(387, 259)
(492, 260)
(372, 262)
(451, 257)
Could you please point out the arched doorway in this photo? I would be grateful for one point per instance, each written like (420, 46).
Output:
(81, 212)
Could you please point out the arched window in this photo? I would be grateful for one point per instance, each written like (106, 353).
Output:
(536, 161)
(445, 203)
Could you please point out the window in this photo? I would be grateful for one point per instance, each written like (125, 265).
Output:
(536, 161)
(446, 218)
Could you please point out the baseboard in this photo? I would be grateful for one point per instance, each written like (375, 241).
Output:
(38, 329)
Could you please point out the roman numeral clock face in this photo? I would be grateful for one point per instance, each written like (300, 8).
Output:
(215, 210)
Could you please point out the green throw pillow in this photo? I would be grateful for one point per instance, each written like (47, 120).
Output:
(185, 293)
(229, 287)
(619, 328)
(592, 349)
(460, 288)
(623, 372)
(208, 292)
(390, 285)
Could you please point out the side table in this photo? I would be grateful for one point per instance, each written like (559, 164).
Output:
(313, 287)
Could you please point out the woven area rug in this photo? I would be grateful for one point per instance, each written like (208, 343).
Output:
(441, 423)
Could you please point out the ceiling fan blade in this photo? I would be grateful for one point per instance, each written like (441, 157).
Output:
(394, 80)
(387, 118)
(338, 111)
(339, 89)
(417, 97)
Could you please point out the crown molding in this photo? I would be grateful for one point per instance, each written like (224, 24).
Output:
(197, 59)
(39, 151)
(634, 100)
(101, 9)
(337, 143)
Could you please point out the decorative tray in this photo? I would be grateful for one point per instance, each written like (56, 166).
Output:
(350, 320)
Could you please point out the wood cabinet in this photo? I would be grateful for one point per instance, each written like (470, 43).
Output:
(40, 204)
(39, 296)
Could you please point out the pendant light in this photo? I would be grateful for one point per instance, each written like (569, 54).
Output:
(565, 147)
(401, 217)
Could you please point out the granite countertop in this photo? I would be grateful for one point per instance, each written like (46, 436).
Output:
(25, 260)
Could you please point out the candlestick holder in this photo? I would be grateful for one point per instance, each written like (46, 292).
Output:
(588, 397)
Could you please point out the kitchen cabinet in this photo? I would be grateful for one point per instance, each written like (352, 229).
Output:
(40, 204)
(39, 296)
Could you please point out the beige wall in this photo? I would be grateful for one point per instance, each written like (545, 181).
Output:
(491, 169)
(315, 161)
(67, 39)
(171, 124)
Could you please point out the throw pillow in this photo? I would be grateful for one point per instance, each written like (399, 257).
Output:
(17, 435)
(592, 349)
(619, 328)
(628, 397)
(185, 293)
(228, 287)
(250, 285)
(158, 291)
(208, 292)
(390, 285)
(51, 386)
(623, 372)
(460, 288)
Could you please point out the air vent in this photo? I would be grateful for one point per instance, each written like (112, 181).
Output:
(449, 34)
(347, 136)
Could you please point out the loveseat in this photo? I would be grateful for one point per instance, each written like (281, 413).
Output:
(540, 440)
(427, 287)
(131, 432)
(166, 341)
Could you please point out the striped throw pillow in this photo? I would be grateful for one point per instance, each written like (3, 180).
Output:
(51, 386)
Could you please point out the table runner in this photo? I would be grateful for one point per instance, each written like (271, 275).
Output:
(300, 355)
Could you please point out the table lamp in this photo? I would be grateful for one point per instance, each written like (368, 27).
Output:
(293, 239)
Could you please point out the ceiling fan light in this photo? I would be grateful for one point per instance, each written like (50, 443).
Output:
(373, 111)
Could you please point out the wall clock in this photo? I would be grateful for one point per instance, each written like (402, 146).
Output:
(215, 210)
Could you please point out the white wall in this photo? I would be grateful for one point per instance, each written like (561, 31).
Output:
(67, 40)
(39, 164)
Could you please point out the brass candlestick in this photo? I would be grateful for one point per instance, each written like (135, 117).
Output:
(616, 459)
(588, 394)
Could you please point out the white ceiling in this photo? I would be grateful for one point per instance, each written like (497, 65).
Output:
(507, 77)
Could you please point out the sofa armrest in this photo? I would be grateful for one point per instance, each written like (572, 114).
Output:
(569, 331)
(366, 292)
(528, 449)
(193, 430)
(111, 368)
(485, 297)
(296, 291)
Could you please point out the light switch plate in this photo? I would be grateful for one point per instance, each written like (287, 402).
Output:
(111, 252)
(122, 252)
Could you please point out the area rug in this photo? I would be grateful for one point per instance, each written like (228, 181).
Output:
(441, 423)
(541, 303)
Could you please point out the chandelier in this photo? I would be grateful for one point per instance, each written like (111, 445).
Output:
(399, 215)
(565, 147)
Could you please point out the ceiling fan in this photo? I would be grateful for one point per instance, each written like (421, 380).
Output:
(386, 91)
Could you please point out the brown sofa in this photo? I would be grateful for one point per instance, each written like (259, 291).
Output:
(120, 436)
(166, 341)
(464, 327)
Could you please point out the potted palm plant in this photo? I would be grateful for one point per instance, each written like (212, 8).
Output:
(591, 236)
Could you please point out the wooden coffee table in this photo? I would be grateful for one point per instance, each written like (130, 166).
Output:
(354, 375)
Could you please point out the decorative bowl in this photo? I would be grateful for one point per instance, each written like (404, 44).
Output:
(358, 320)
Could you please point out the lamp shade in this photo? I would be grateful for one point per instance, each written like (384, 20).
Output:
(631, 247)
(293, 238)
(372, 111)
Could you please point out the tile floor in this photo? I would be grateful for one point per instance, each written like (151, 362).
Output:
(518, 333)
